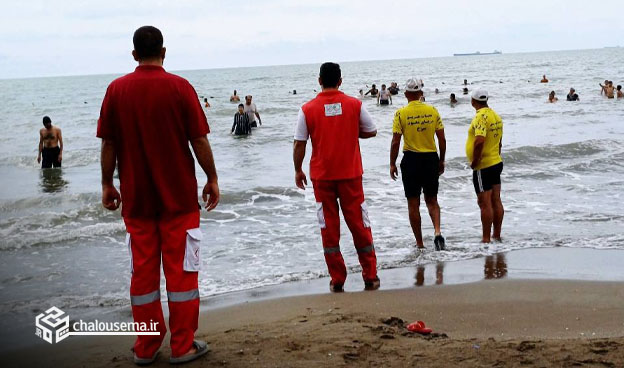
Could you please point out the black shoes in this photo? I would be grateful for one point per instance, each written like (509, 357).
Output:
(336, 288)
(372, 284)
(438, 241)
(368, 285)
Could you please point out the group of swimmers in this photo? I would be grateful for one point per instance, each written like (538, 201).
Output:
(571, 96)
(245, 117)
(607, 89)
(384, 96)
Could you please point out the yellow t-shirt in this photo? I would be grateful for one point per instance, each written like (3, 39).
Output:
(417, 122)
(486, 124)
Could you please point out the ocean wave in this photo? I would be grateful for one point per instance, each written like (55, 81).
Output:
(71, 158)
(529, 155)
(67, 302)
(50, 220)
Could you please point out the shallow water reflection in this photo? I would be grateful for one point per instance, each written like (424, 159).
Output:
(439, 275)
(52, 180)
(495, 266)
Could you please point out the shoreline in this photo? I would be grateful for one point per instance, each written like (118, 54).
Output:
(554, 263)
(506, 297)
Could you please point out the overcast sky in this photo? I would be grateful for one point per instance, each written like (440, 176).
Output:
(75, 37)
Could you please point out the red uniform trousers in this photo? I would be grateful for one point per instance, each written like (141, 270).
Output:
(351, 196)
(149, 240)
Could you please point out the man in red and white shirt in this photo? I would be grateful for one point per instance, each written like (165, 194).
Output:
(334, 122)
(147, 120)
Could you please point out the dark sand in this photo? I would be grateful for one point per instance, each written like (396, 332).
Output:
(488, 323)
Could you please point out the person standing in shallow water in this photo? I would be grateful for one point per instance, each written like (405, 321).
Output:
(334, 122)
(419, 124)
(50, 145)
(384, 97)
(241, 124)
(252, 112)
(483, 149)
(147, 120)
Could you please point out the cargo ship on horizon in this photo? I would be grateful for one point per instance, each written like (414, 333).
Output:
(496, 52)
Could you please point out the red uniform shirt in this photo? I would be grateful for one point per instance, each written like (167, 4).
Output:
(333, 121)
(151, 115)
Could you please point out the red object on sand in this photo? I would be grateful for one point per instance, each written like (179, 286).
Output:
(419, 327)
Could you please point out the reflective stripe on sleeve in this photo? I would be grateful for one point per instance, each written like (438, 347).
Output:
(145, 298)
(182, 296)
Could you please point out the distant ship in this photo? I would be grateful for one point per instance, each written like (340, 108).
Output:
(496, 52)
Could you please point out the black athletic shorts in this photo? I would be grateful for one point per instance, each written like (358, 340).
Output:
(50, 157)
(384, 102)
(253, 124)
(485, 179)
(419, 171)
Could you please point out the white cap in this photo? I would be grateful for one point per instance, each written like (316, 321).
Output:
(480, 94)
(413, 85)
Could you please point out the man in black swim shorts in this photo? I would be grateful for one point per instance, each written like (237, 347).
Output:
(50, 145)
(483, 149)
(419, 124)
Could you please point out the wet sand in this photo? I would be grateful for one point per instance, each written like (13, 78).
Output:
(487, 323)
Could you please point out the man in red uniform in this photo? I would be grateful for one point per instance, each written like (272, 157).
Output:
(334, 122)
(146, 122)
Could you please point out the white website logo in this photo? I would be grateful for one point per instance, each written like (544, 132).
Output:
(53, 326)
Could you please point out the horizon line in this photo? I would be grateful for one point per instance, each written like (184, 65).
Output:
(293, 64)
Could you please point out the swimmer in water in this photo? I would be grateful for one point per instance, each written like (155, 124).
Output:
(609, 90)
(572, 96)
(544, 79)
(453, 99)
(619, 92)
(551, 97)
(436, 91)
(394, 88)
(206, 104)
(234, 97)
(465, 82)
(384, 97)
(602, 87)
(373, 91)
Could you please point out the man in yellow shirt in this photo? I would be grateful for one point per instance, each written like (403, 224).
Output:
(421, 167)
(483, 149)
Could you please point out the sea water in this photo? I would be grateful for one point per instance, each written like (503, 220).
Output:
(563, 181)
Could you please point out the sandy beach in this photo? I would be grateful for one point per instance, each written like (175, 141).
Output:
(488, 323)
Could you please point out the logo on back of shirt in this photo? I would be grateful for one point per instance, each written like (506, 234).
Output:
(333, 109)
